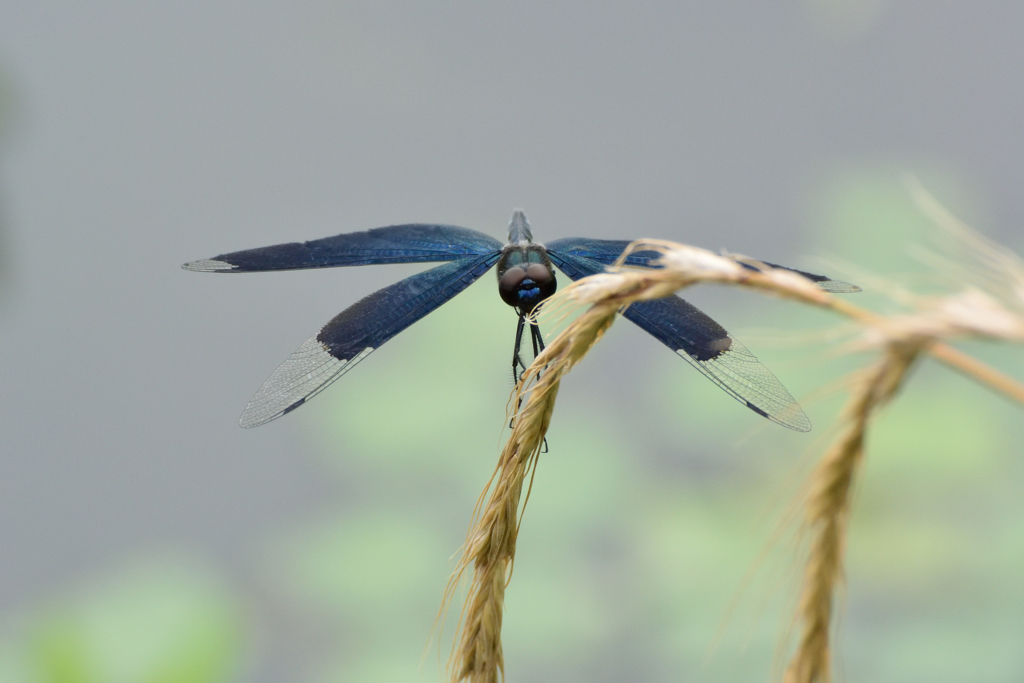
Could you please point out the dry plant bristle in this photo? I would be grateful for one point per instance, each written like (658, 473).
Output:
(828, 509)
(902, 339)
(491, 542)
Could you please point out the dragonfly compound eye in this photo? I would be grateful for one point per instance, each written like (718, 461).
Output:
(524, 288)
(544, 278)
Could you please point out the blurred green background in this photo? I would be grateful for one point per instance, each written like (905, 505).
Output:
(145, 537)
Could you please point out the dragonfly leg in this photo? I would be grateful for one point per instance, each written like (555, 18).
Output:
(538, 340)
(538, 346)
(517, 361)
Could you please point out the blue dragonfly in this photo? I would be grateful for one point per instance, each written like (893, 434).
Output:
(526, 277)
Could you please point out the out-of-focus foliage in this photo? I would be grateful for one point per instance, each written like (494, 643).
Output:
(162, 621)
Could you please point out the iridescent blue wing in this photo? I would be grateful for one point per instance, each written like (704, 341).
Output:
(602, 251)
(606, 251)
(355, 332)
(413, 243)
(823, 281)
(706, 345)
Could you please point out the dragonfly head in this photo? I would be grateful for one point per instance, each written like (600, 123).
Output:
(519, 229)
(525, 276)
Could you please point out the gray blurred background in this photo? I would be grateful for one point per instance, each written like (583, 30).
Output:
(144, 536)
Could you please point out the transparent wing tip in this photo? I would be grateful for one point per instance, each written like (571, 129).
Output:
(255, 418)
(791, 417)
(742, 376)
(305, 374)
(208, 265)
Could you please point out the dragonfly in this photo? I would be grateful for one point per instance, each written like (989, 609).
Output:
(526, 277)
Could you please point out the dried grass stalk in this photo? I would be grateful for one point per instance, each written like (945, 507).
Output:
(828, 509)
(990, 306)
(490, 544)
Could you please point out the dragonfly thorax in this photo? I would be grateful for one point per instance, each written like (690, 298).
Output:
(525, 276)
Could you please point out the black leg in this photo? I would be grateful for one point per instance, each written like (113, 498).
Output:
(517, 362)
(538, 346)
(538, 340)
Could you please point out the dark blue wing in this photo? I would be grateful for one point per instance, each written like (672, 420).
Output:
(823, 281)
(606, 251)
(602, 251)
(355, 332)
(414, 243)
(706, 345)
